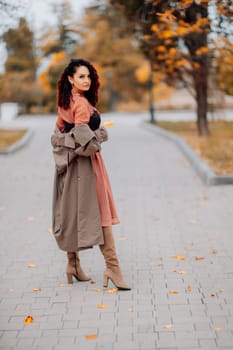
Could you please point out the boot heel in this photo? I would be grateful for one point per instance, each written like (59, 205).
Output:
(69, 278)
(105, 284)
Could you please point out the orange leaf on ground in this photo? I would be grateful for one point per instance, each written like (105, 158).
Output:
(110, 123)
(221, 290)
(97, 290)
(193, 222)
(218, 329)
(189, 288)
(30, 218)
(92, 282)
(213, 295)
(31, 265)
(122, 238)
(159, 264)
(100, 306)
(168, 326)
(36, 289)
(111, 291)
(173, 292)
(91, 336)
(179, 257)
(28, 320)
(130, 309)
(198, 257)
(182, 272)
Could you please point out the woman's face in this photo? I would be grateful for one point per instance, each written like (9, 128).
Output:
(81, 79)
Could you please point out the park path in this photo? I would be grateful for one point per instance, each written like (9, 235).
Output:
(174, 242)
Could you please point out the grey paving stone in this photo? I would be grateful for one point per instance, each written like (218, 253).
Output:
(156, 202)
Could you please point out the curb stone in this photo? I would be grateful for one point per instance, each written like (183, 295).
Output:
(204, 171)
(19, 144)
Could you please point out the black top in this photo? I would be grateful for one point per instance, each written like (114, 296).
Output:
(94, 123)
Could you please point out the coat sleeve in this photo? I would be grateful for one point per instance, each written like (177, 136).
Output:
(80, 141)
(89, 141)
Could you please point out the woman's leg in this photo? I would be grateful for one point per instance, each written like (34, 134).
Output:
(74, 268)
(112, 271)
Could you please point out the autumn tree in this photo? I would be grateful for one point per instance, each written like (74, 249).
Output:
(224, 66)
(9, 13)
(179, 39)
(57, 45)
(18, 80)
(111, 46)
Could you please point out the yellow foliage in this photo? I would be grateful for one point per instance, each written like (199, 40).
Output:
(160, 57)
(166, 34)
(172, 51)
(44, 82)
(182, 31)
(181, 63)
(161, 48)
(57, 57)
(202, 50)
(143, 72)
(154, 28)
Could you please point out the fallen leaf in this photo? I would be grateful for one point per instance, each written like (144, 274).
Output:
(36, 289)
(213, 251)
(92, 282)
(159, 264)
(111, 291)
(50, 230)
(2, 207)
(168, 326)
(221, 290)
(100, 306)
(213, 295)
(189, 288)
(28, 320)
(31, 265)
(97, 290)
(218, 329)
(197, 257)
(122, 238)
(179, 257)
(110, 123)
(30, 218)
(173, 292)
(91, 336)
(193, 222)
(130, 309)
(182, 272)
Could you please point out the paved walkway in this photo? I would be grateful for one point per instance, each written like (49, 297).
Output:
(165, 212)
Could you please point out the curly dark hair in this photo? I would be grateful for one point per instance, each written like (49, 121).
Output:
(65, 87)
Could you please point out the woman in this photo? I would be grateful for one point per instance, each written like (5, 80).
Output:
(83, 205)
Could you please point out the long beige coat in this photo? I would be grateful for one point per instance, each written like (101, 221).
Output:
(75, 214)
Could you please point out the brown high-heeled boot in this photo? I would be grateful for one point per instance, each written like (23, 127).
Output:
(113, 271)
(74, 268)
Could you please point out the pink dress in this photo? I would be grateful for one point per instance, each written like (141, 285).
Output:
(80, 112)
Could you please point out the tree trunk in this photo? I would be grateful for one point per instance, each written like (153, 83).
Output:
(201, 87)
